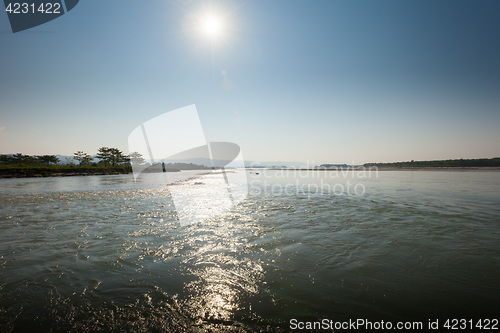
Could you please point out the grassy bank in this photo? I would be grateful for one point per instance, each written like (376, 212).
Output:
(18, 171)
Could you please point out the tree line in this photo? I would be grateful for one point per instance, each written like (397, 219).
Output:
(21, 159)
(107, 157)
(461, 163)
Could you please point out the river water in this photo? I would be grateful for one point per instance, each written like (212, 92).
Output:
(105, 253)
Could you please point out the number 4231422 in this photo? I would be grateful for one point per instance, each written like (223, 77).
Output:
(25, 8)
(481, 324)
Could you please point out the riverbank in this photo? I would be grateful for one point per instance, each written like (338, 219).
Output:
(435, 168)
(23, 171)
(9, 171)
(383, 168)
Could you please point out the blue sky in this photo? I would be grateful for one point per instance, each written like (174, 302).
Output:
(323, 81)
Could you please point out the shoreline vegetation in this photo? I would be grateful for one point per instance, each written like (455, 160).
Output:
(478, 163)
(457, 164)
(112, 161)
(107, 161)
(21, 171)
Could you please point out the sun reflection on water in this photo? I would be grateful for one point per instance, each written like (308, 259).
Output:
(223, 272)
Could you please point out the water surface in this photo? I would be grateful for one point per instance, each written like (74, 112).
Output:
(105, 253)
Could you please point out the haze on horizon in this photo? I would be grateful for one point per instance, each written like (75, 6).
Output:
(325, 82)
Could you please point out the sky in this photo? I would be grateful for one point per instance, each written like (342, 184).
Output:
(316, 82)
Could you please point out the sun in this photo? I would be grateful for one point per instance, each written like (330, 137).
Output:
(211, 26)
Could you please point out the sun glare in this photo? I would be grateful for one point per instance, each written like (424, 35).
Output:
(211, 26)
